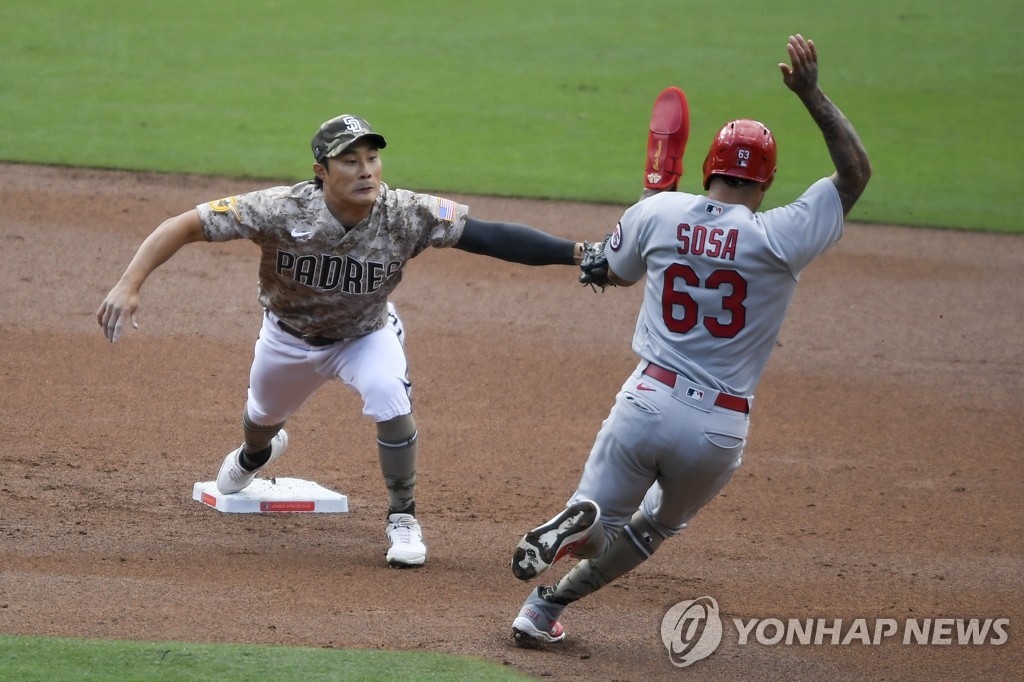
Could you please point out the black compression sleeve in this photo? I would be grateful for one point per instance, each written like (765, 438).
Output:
(515, 243)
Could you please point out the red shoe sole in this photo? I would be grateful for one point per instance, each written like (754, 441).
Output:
(666, 141)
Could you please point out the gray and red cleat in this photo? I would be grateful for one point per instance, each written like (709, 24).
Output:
(537, 623)
(670, 128)
(544, 545)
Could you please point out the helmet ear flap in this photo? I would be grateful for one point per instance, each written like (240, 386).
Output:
(708, 163)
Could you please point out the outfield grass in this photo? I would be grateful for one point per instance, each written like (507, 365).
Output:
(42, 659)
(530, 98)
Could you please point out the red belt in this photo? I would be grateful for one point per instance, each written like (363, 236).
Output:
(668, 377)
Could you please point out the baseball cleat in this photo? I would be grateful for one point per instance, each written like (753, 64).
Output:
(546, 544)
(666, 141)
(537, 622)
(406, 538)
(232, 478)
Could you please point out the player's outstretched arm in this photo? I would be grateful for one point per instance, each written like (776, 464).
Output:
(853, 169)
(518, 243)
(122, 302)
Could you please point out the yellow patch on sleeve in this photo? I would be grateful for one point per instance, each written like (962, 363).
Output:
(225, 205)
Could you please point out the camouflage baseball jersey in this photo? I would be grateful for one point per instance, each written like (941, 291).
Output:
(315, 274)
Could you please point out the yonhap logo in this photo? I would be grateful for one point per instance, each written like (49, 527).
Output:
(691, 631)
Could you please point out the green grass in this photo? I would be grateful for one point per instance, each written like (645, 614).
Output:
(42, 659)
(540, 98)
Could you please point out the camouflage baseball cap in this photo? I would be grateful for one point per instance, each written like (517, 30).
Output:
(340, 133)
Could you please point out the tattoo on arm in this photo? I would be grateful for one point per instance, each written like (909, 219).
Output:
(853, 169)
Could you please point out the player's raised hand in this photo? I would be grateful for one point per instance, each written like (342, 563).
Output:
(802, 76)
(118, 308)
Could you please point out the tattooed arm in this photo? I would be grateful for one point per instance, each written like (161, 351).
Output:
(844, 146)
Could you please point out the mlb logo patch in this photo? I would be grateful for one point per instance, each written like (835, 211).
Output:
(695, 393)
(712, 209)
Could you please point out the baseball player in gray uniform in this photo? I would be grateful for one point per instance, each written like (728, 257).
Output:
(719, 278)
(333, 249)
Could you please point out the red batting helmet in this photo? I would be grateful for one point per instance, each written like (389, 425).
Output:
(743, 149)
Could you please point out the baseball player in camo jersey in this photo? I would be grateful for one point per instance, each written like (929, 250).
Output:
(333, 249)
(720, 276)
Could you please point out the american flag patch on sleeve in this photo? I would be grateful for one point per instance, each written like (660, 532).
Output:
(445, 209)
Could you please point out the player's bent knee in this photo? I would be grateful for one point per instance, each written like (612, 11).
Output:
(385, 400)
(645, 536)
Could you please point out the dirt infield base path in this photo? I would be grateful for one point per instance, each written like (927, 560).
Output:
(882, 479)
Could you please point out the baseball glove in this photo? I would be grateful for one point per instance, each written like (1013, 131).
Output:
(594, 266)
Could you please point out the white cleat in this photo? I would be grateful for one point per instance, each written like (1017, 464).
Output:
(232, 478)
(406, 538)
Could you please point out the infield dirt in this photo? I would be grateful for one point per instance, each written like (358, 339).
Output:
(882, 478)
